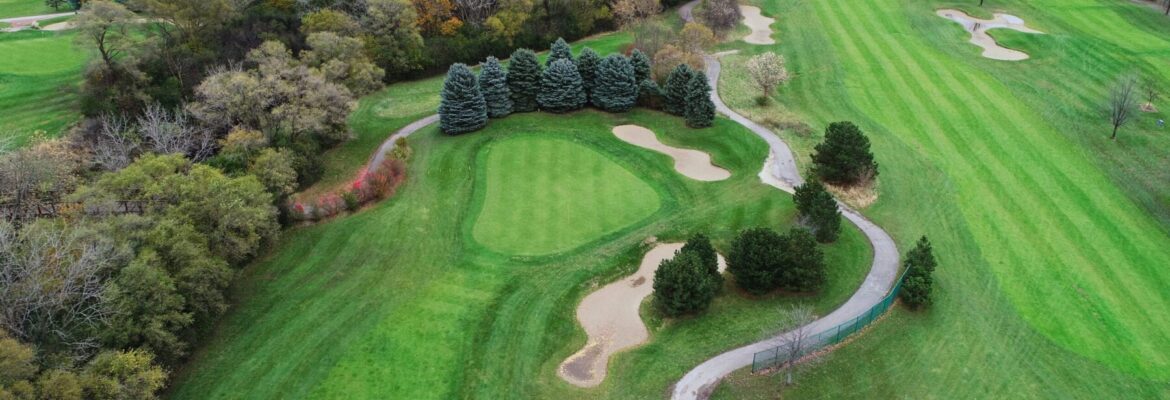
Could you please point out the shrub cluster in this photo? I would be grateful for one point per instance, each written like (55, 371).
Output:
(368, 186)
(762, 260)
(615, 83)
(688, 282)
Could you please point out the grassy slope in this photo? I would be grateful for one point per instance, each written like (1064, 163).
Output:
(398, 302)
(537, 201)
(39, 74)
(1051, 282)
(26, 8)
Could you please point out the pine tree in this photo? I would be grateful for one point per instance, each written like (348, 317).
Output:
(755, 259)
(700, 110)
(560, 88)
(818, 210)
(803, 263)
(676, 89)
(918, 284)
(587, 66)
(701, 246)
(493, 82)
(461, 106)
(524, 80)
(641, 65)
(560, 51)
(682, 285)
(844, 157)
(616, 90)
(650, 95)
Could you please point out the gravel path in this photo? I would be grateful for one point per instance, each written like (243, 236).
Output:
(781, 172)
(18, 23)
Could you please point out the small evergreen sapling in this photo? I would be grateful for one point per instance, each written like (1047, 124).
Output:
(700, 110)
(587, 67)
(493, 82)
(676, 89)
(818, 210)
(524, 80)
(918, 285)
(560, 88)
(616, 89)
(560, 51)
(461, 105)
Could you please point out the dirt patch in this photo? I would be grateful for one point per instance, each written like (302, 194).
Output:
(858, 197)
(979, 37)
(610, 318)
(761, 25)
(60, 26)
(693, 164)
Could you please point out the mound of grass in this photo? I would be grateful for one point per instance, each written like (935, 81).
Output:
(399, 301)
(1049, 235)
(543, 196)
(39, 76)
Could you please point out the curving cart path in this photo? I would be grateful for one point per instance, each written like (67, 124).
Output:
(781, 171)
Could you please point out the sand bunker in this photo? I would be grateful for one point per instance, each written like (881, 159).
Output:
(693, 164)
(761, 32)
(979, 37)
(610, 318)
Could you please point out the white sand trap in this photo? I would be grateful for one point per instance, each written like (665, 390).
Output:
(60, 26)
(693, 164)
(761, 31)
(610, 318)
(979, 37)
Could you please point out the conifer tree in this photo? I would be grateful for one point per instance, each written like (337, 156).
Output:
(918, 285)
(560, 51)
(818, 210)
(461, 105)
(700, 110)
(755, 260)
(650, 95)
(803, 263)
(560, 88)
(641, 65)
(587, 66)
(701, 245)
(682, 285)
(616, 89)
(524, 80)
(844, 157)
(493, 82)
(676, 89)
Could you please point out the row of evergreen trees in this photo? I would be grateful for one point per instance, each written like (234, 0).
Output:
(615, 83)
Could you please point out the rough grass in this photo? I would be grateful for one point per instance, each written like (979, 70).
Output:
(542, 196)
(399, 301)
(1051, 237)
(39, 77)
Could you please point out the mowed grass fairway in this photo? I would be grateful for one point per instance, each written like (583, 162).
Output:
(542, 195)
(39, 79)
(1052, 239)
(401, 302)
(26, 8)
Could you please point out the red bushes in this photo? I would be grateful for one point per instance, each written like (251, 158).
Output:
(368, 186)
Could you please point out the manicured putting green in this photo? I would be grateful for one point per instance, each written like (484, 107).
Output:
(543, 195)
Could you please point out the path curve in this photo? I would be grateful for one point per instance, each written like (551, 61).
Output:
(781, 171)
(19, 23)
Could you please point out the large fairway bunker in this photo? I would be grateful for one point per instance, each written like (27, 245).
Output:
(544, 195)
(760, 25)
(979, 37)
(610, 318)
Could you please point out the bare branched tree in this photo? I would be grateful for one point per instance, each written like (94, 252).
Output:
(115, 142)
(174, 133)
(796, 346)
(629, 12)
(51, 284)
(1151, 92)
(1122, 102)
(474, 11)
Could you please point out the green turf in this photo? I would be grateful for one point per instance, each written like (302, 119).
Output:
(542, 195)
(400, 301)
(26, 8)
(1052, 239)
(39, 76)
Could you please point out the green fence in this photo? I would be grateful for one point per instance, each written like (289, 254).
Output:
(828, 337)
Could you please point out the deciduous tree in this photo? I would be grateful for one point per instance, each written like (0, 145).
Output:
(721, 15)
(1122, 103)
(341, 60)
(392, 37)
(767, 71)
(695, 38)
